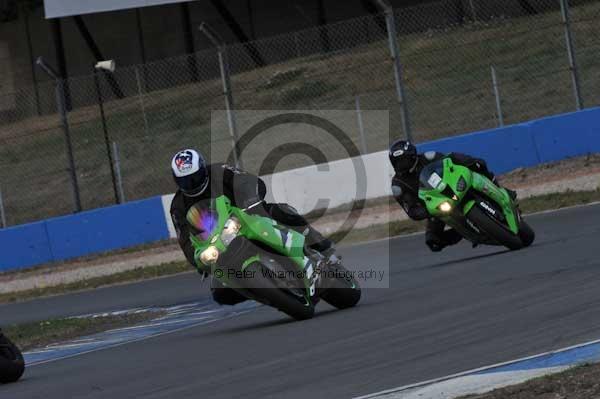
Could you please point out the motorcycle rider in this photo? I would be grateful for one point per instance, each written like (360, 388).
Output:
(407, 164)
(197, 181)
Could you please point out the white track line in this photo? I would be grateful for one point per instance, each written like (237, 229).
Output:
(473, 371)
(204, 322)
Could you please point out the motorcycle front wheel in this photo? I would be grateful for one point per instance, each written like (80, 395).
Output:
(12, 365)
(494, 229)
(267, 291)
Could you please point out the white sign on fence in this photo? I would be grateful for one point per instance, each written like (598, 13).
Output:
(66, 8)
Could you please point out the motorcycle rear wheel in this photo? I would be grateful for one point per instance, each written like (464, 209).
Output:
(526, 234)
(343, 291)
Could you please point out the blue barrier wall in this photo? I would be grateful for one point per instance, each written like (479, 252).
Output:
(85, 233)
(105, 229)
(531, 143)
(503, 149)
(568, 135)
(526, 144)
(23, 246)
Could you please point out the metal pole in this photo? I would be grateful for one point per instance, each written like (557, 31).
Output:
(140, 31)
(2, 211)
(115, 149)
(564, 9)
(224, 66)
(106, 139)
(395, 52)
(225, 76)
(31, 59)
(361, 128)
(62, 109)
(473, 10)
(296, 44)
(497, 95)
(141, 97)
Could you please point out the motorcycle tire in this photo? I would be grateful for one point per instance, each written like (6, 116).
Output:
(494, 230)
(12, 364)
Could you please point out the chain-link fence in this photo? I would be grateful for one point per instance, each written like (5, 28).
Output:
(447, 54)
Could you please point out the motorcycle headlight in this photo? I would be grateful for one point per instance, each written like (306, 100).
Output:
(230, 230)
(445, 207)
(209, 256)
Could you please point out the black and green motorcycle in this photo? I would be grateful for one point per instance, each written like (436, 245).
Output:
(473, 205)
(266, 261)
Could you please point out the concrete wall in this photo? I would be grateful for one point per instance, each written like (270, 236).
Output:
(337, 183)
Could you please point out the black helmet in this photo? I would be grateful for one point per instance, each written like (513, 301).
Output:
(403, 156)
(190, 172)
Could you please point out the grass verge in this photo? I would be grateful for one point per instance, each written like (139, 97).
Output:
(42, 333)
(142, 273)
(528, 205)
(581, 382)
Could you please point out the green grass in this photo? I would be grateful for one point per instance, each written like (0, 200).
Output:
(448, 89)
(42, 333)
(559, 200)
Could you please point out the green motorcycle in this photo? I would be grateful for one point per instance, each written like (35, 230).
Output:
(266, 261)
(473, 205)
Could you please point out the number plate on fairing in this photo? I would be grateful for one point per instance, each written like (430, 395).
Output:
(434, 180)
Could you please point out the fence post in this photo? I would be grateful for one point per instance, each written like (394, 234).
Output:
(105, 132)
(473, 10)
(297, 44)
(564, 9)
(361, 128)
(141, 97)
(61, 104)
(115, 150)
(395, 52)
(2, 211)
(497, 95)
(225, 77)
(62, 108)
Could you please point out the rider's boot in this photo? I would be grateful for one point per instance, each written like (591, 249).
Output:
(316, 241)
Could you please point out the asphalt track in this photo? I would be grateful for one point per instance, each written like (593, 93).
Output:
(443, 313)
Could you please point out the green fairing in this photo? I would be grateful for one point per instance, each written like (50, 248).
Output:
(255, 228)
(434, 197)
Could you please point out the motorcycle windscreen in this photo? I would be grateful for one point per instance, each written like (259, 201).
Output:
(204, 219)
(432, 175)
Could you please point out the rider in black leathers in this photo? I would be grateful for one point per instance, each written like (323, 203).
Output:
(197, 181)
(407, 165)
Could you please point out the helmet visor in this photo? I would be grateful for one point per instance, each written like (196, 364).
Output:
(193, 184)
